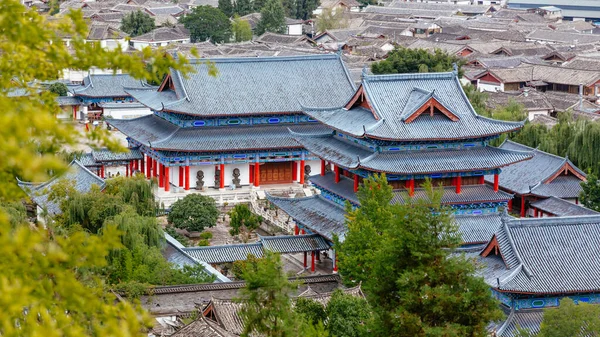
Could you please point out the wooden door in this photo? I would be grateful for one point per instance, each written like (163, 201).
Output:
(276, 173)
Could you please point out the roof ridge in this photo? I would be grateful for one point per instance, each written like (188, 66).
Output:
(514, 248)
(265, 58)
(572, 220)
(408, 76)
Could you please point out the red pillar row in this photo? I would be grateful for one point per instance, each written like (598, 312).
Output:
(302, 172)
(355, 182)
(458, 183)
(222, 176)
(322, 167)
(336, 169)
(187, 178)
(496, 182)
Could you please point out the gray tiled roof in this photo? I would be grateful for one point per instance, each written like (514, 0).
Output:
(554, 255)
(67, 100)
(82, 179)
(560, 207)
(103, 85)
(523, 177)
(352, 156)
(160, 134)
(345, 188)
(318, 214)
(477, 228)
(225, 253)
(87, 160)
(294, 243)
(105, 155)
(468, 194)
(202, 327)
(561, 187)
(524, 319)
(390, 97)
(258, 86)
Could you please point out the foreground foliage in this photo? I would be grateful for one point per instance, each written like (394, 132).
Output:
(400, 254)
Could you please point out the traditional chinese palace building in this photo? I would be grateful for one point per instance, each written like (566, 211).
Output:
(411, 127)
(233, 129)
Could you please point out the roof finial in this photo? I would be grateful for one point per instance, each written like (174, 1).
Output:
(504, 217)
(455, 69)
(339, 51)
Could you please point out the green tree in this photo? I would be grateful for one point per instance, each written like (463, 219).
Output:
(267, 307)
(272, 18)
(404, 60)
(347, 315)
(15, 212)
(244, 7)
(477, 99)
(241, 30)
(401, 255)
(58, 88)
(226, 7)
(331, 20)
(243, 221)
(290, 8)
(207, 23)
(305, 9)
(570, 319)
(312, 310)
(194, 212)
(137, 23)
(590, 194)
(257, 5)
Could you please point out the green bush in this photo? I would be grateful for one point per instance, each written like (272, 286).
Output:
(206, 235)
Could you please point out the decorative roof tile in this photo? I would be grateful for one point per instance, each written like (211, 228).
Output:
(554, 255)
(390, 95)
(105, 155)
(202, 327)
(522, 319)
(524, 177)
(257, 86)
(318, 214)
(225, 253)
(160, 134)
(350, 155)
(477, 228)
(469, 194)
(103, 85)
(294, 243)
(82, 179)
(560, 207)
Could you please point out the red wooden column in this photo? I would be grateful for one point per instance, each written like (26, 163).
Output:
(102, 171)
(161, 180)
(251, 171)
(155, 168)
(296, 230)
(143, 165)
(496, 182)
(181, 176)
(312, 265)
(222, 174)
(411, 187)
(336, 169)
(148, 167)
(322, 167)
(127, 169)
(481, 180)
(187, 175)
(302, 232)
(522, 206)
(458, 183)
(256, 174)
(510, 205)
(535, 213)
(167, 180)
(305, 260)
(302, 170)
(294, 171)
(355, 182)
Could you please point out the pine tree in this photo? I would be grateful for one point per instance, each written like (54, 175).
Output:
(243, 7)
(272, 18)
(137, 23)
(226, 7)
(258, 5)
(241, 30)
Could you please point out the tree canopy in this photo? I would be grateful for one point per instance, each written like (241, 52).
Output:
(272, 18)
(405, 60)
(226, 7)
(401, 255)
(243, 220)
(241, 30)
(58, 88)
(568, 319)
(330, 19)
(137, 23)
(47, 281)
(590, 194)
(194, 212)
(207, 23)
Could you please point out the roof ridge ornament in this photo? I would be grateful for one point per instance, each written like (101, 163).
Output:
(365, 72)
(455, 69)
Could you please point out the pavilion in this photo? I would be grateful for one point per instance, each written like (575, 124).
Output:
(232, 129)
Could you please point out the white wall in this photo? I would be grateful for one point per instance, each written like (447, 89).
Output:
(209, 175)
(533, 113)
(139, 45)
(483, 86)
(244, 174)
(126, 113)
(294, 29)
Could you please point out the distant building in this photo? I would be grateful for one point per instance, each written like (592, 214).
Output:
(160, 37)
(579, 9)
